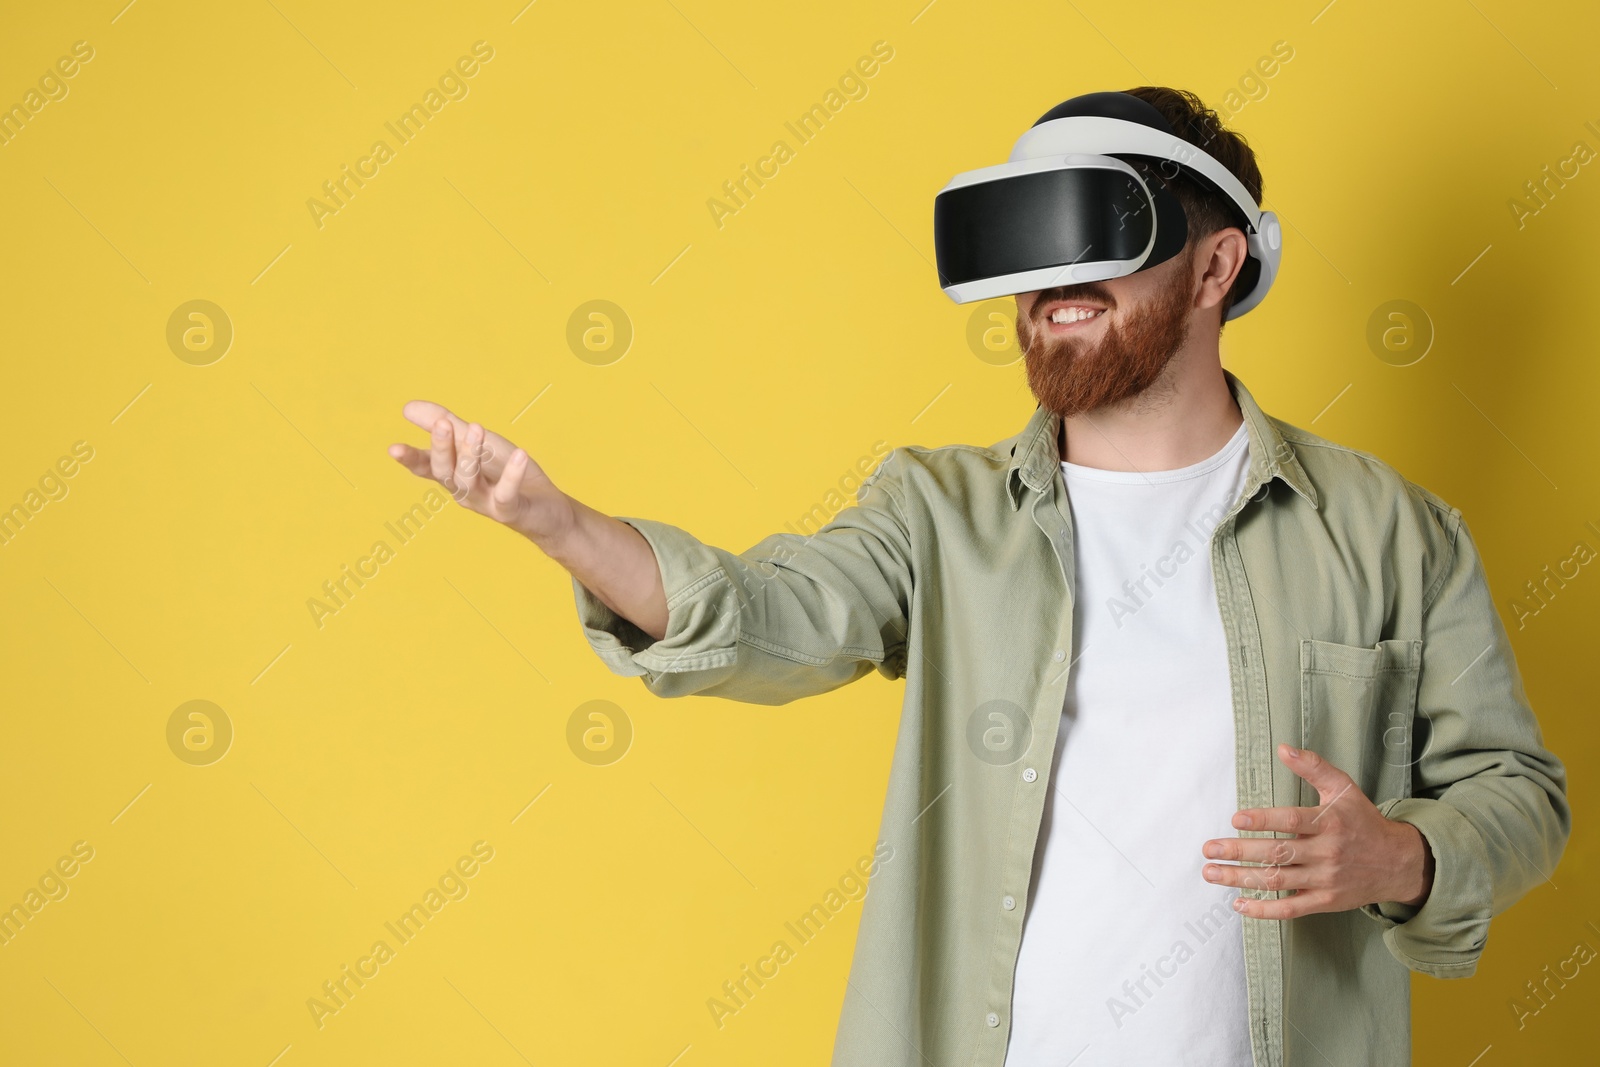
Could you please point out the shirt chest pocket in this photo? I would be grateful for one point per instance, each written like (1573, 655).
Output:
(1358, 711)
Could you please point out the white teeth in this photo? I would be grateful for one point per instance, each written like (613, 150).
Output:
(1073, 314)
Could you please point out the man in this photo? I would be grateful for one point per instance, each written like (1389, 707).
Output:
(1211, 732)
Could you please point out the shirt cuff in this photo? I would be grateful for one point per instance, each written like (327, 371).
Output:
(1445, 934)
(702, 611)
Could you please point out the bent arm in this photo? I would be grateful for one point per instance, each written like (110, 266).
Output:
(1488, 797)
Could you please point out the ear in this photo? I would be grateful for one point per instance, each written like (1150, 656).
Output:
(1220, 257)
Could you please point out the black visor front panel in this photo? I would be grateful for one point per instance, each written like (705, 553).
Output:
(1044, 219)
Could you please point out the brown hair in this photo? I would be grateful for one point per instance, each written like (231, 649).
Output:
(1208, 210)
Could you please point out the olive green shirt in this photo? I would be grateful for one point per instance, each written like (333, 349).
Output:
(1359, 624)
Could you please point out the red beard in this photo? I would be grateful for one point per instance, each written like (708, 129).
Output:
(1070, 375)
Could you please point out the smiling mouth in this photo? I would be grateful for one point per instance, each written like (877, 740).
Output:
(1073, 317)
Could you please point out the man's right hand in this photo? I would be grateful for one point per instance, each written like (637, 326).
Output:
(486, 473)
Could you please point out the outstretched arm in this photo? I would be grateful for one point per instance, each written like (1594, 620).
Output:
(792, 616)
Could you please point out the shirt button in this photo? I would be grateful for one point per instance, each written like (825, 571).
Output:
(992, 1019)
(1029, 774)
(1058, 655)
(1008, 902)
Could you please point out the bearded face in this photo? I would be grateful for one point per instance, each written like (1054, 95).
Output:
(1094, 346)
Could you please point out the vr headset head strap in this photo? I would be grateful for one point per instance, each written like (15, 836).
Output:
(1120, 124)
(1115, 123)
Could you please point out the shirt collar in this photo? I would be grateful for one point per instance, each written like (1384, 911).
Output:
(1035, 458)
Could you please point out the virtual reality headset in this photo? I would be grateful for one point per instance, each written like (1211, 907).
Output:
(1068, 207)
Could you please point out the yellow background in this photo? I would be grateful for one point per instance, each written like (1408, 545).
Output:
(768, 356)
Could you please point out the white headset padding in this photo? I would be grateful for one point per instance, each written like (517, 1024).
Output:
(1266, 247)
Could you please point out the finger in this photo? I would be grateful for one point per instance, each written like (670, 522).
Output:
(492, 454)
(413, 459)
(1283, 820)
(425, 413)
(469, 454)
(1329, 781)
(486, 458)
(1305, 902)
(442, 457)
(1273, 877)
(1253, 849)
(467, 460)
(503, 498)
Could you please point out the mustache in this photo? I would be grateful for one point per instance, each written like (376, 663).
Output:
(1069, 293)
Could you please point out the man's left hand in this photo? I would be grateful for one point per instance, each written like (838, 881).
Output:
(1344, 855)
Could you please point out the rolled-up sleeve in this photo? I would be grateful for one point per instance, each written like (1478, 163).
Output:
(792, 616)
(1487, 796)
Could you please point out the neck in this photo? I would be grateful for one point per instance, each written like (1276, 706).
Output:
(1187, 415)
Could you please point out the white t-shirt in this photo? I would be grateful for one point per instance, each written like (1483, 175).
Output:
(1129, 957)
